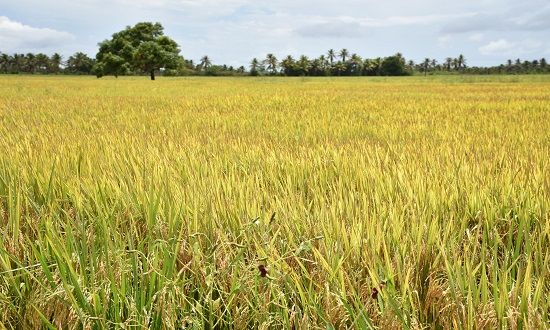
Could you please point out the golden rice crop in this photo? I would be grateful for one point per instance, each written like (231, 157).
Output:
(275, 203)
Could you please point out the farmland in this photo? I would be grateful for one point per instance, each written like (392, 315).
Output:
(275, 202)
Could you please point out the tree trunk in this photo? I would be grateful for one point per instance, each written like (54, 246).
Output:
(153, 74)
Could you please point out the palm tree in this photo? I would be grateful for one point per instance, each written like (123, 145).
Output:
(356, 64)
(461, 61)
(303, 65)
(4, 62)
(30, 63)
(55, 63)
(343, 54)
(271, 62)
(448, 63)
(433, 63)
(17, 62)
(288, 65)
(426, 66)
(455, 63)
(254, 65)
(42, 62)
(323, 64)
(339, 68)
(331, 55)
(205, 62)
(79, 63)
(372, 67)
(316, 68)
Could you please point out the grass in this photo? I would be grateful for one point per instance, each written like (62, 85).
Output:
(371, 202)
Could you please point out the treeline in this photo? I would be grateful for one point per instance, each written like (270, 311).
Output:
(334, 63)
(82, 64)
(205, 67)
(343, 64)
(453, 65)
(30, 63)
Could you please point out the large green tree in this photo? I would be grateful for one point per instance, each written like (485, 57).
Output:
(141, 48)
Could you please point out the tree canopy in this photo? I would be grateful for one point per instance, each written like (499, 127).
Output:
(143, 48)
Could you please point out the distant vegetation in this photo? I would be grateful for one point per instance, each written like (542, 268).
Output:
(144, 49)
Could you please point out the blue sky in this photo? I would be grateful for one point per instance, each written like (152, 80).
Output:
(233, 31)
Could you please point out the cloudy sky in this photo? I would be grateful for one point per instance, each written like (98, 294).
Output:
(233, 31)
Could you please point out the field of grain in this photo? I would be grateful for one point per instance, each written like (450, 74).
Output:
(275, 203)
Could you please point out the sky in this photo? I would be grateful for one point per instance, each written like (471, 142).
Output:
(232, 32)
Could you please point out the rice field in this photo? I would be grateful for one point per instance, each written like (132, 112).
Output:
(275, 203)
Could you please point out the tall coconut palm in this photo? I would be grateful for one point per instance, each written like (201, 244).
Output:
(323, 64)
(461, 61)
(42, 62)
(316, 68)
(30, 63)
(18, 62)
(455, 64)
(344, 54)
(356, 64)
(331, 55)
(426, 66)
(55, 63)
(271, 62)
(288, 65)
(254, 66)
(448, 63)
(433, 63)
(303, 65)
(205, 63)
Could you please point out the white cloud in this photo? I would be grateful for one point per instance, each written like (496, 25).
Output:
(497, 47)
(15, 36)
(505, 47)
(413, 20)
(476, 37)
(444, 40)
(348, 26)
